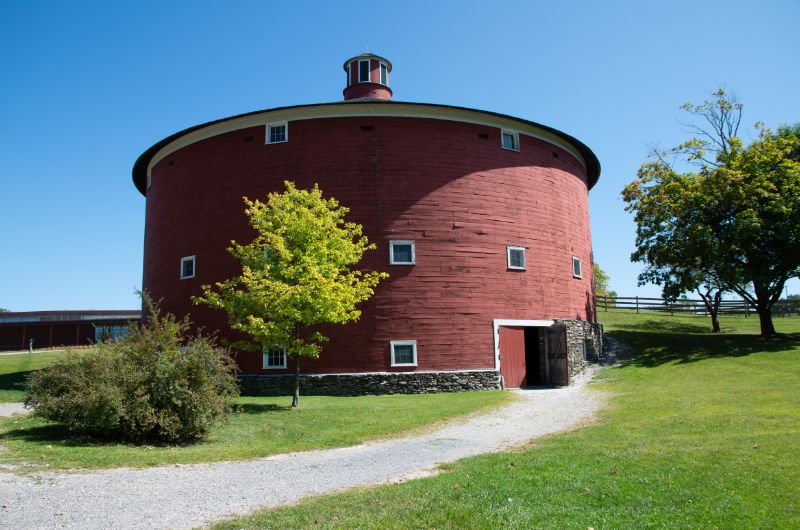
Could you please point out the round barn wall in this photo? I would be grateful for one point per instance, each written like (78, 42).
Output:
(431, 174)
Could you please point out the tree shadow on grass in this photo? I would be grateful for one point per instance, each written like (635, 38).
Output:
(14, 380)
(655, 348)
(665, 325)
(260, 408)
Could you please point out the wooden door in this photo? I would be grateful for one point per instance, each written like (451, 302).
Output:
(512, 356)
(557, 362)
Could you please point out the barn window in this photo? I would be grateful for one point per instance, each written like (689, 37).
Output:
(187, 267)
(401, 253)
(274, 357)
(363, 71)
(510, 140)
(516, 258)
(277, 132)
(404, 352)
(576, 267)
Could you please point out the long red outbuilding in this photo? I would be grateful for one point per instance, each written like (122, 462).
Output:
(481, 220)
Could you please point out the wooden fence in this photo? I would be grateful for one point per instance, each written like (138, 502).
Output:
(691, 306)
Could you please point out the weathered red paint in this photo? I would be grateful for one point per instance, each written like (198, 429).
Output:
(512, 356)
(462, 198)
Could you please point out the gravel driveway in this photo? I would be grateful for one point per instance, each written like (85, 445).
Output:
(187, 496)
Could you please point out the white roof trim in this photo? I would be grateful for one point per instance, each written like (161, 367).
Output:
(345, 110)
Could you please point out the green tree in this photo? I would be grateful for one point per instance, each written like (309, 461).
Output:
(601, 282)
(731, 224)
(297, 273)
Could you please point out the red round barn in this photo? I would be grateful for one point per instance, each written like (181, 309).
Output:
(481, 220)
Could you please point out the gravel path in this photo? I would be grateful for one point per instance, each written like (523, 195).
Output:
(9, 409)
(187, 496)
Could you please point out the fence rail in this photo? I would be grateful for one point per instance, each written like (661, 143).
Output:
(691, 306)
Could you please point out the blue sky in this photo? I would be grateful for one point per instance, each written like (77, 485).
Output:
(88, 86)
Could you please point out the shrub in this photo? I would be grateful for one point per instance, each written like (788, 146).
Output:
(153, 385)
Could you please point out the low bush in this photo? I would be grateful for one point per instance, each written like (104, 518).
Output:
(157, 384)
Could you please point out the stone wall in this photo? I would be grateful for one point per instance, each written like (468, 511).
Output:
(370, 383)
(584, 344)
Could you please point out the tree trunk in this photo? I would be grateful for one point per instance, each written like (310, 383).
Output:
(715, 323)
(296, 395)
(765, 317)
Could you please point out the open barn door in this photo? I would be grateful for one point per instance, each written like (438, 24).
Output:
(557, 362)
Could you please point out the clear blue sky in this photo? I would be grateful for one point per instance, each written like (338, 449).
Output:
(88, 86)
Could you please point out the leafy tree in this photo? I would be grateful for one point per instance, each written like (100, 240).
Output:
(601, 282)
(297, 273)
(793, 297)
(732, 224)
(2, 310)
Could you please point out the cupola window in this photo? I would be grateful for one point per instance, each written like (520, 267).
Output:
(384, 74)
(363, 71)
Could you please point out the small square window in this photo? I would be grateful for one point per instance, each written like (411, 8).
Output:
(401, 253)
(187, 267)
(510, 140)
(404, 352)
(516, 258)
(576, 267)
(274, 357)
(277, 132)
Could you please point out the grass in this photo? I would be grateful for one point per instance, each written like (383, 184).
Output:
(700, 431)
(15, 368)
(264, 426)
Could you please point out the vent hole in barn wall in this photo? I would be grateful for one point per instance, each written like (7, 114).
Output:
(367, 128)
(555, 155)
(247, 139)
(483, 136)
(171, 163)
(533, 357)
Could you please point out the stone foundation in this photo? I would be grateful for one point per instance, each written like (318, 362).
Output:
(369, 383)
(584, 344)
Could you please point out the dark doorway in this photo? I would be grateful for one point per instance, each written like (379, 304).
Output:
(533, 358)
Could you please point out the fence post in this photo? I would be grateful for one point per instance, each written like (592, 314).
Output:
(605, 303)
(637, 304)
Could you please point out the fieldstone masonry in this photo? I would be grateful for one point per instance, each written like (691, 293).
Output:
(584, 344)
(370, 383)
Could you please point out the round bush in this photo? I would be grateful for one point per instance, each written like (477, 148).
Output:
(150, 386)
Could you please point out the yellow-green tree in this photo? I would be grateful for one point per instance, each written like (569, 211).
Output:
(299, 272)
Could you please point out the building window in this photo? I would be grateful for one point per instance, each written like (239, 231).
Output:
(404, 352)
(277, 132)
(274, 358)
(516, 258)
(187, 267)
(363, 71)
(510, 140)
(401, 253)
(576, 267)
(384, 74)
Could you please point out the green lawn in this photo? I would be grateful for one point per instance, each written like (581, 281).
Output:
(14, 369)
(264, 426)
(701, 431)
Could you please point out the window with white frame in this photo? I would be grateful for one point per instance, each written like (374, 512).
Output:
(516, 258)
(404, 352)
(363, 71)
(401, 253)
(384, 74)
(187, 267)
(277, 132)
(274, 357)
(510, 140)
(576, 267)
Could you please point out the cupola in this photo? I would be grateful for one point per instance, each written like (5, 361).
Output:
(367, 77)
